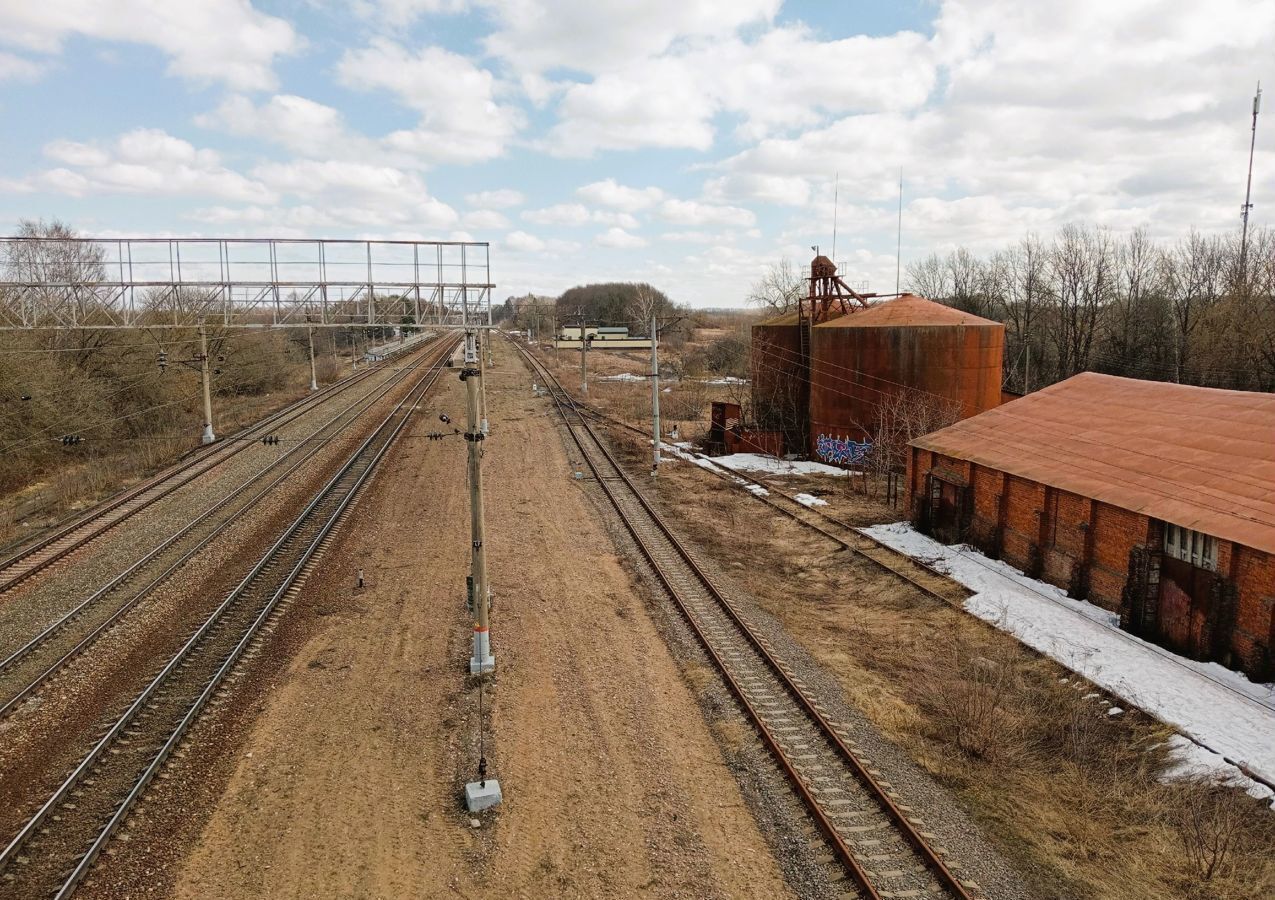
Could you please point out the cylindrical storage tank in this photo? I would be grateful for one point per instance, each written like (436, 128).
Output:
(780, 377)
(934, 359)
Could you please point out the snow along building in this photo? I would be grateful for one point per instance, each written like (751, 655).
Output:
(1152, 500)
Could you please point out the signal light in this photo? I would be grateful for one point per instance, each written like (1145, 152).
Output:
(163, 361)
(270, 440)
(69, 439)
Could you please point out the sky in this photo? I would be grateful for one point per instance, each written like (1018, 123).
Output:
(688, 143)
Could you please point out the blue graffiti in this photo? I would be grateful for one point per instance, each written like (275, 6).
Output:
(841, 452)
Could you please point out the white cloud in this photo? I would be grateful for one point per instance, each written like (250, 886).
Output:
(18, 68)
(783, 80)
(206, 40)
(302, 125)
(572, 214)
(617, 196)
(577, 214)
(398, 13)
(693, 212)
(485, 220)
(592, 36)
(618, 237)
(522, 242)
(143, 161)
(460, 118)
(502, 198)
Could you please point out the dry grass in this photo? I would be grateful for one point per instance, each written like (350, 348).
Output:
(1073, 795)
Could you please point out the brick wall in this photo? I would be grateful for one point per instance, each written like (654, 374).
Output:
(1083, 546)
(1254, 575)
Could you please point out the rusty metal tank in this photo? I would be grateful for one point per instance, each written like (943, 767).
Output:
(906, 347)
(780, 376)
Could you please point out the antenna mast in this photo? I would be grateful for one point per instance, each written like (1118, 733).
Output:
(898, 246)
(836, 186)
(1248, 190)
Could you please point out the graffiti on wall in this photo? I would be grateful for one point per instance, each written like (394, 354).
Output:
(841, 452)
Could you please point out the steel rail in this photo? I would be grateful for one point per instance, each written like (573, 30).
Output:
(928, 855)
(865, 550)
(163, 482)
(311, 444)
(360, 465)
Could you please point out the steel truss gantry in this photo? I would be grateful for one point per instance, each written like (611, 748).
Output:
(89, 283)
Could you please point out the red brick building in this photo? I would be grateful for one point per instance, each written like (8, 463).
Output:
(1153, 500)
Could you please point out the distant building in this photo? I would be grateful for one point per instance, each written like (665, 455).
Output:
(1154, 501)
(600, 337)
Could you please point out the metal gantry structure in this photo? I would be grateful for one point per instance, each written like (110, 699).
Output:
(88, 283)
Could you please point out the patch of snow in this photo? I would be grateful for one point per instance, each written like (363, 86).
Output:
(1190, 760)
(623, 376)
(685, 450)
(1115, 711)
(725, 379)
(757, 462)
(1205, 701)
(810, 500)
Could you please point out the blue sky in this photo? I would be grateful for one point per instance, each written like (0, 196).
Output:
(684, 142)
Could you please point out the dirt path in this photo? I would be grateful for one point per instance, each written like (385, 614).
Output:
(347, 782)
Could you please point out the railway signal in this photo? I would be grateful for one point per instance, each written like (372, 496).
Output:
(70, 439)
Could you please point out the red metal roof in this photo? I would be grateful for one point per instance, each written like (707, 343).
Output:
(1201, 458)
(908, 309)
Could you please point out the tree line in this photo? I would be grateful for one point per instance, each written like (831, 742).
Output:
(1199, 310)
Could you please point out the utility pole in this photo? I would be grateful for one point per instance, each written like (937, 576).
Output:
(584, 346)
(314, 380)
(485, 792)
(655, 394)
(482, 660)
(208, 436)
(1248, 190)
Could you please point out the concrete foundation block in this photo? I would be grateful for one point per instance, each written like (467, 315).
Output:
(482, 795)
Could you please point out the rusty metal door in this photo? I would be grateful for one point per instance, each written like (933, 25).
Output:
(1186, 600)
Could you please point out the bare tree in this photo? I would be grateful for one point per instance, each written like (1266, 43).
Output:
(1025, 291)
(930, 277)
(779, 289)
(1082, 262)
(1192, 273)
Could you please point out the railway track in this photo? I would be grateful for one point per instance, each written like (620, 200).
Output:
(846, 536)
(879, 840)
(65, 537)
(56, 847)
(25, 669)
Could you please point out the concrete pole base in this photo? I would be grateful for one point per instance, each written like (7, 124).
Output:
(208, 436)
(482, 661)
(314, 386)
(480, 795)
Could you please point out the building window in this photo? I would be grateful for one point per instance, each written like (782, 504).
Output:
(1191, 546)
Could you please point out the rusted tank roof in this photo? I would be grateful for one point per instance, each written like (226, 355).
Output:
(792, 317)
(1201, 458)
(909, 309)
